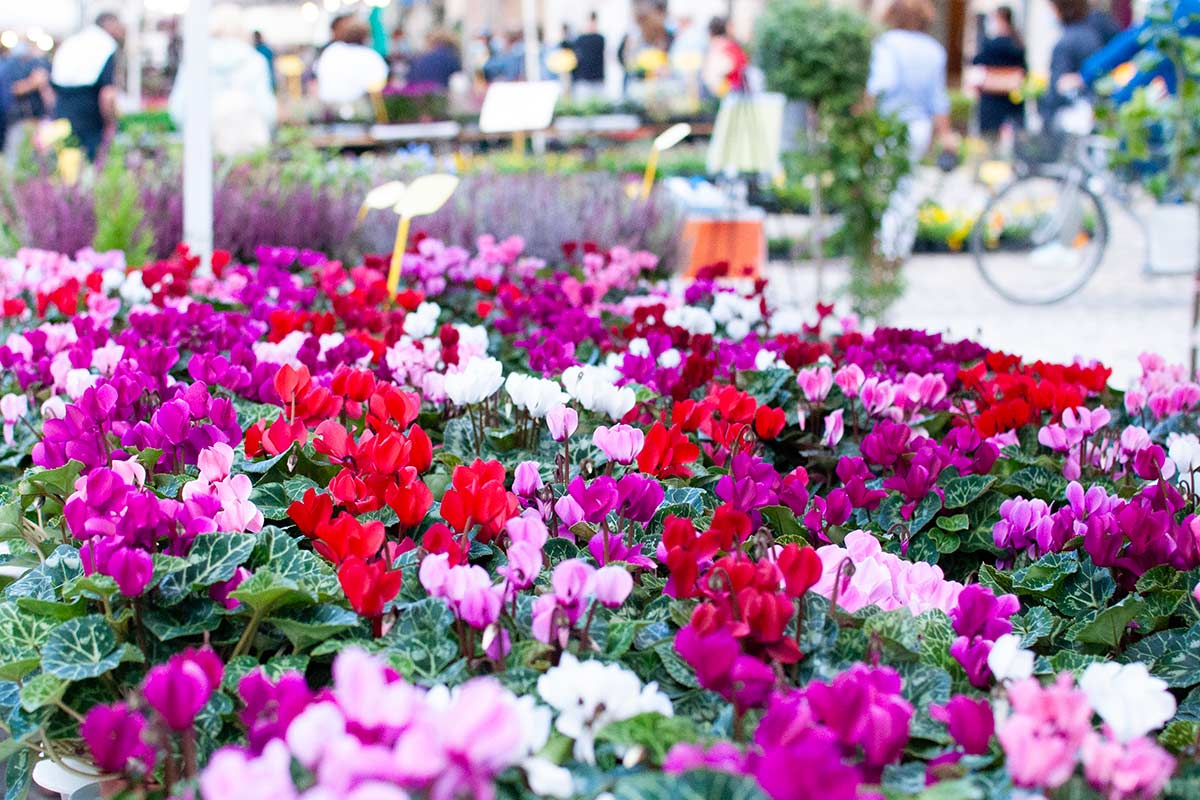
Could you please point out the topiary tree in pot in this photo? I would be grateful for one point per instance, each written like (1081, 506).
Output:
(820, 55)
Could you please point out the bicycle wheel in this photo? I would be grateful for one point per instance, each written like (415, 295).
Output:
(1040, 238)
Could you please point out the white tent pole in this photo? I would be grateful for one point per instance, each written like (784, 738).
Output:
(133, 48)
(197, 134)
(533, 58)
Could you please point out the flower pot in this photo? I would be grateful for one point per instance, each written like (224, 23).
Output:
(1173, 237)
(67, 783)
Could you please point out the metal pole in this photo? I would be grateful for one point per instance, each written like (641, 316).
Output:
(197, 135)
(133, 48)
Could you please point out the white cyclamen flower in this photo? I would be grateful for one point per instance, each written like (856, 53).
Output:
(589, 695)
(422, 322)
(535, 395)
(1184, 450)
(1128, 698)
(1008, 661)
(691, 319)
(479, 379)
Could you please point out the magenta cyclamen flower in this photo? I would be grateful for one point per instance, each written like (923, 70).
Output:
(113, 735)
(864, 707)
(969, 721)
(596, 499)
(980, 618)
(638, 497)
(130, 567)
(721, 666)
(271, 706)
(801, 759)
(178, 689)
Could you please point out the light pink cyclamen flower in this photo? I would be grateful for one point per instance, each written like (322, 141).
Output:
(835, 428)
(13, 407)
(815, 382)
(850, 379)
(877, 395)
(1129, 771)
(620, 443)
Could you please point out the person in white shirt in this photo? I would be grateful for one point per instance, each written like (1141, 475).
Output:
(348, 69)
(244, 109)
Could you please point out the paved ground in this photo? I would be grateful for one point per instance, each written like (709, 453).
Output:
(1117, 316)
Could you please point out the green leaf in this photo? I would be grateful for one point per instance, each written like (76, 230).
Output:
(12, 522)
(695, 785)
(1108, 628)
(652, 731)
(896, 627)
(679, 670)
(17, 775)
(783, 522)
(1033, 624)
(925, 685)
(621, 635)
(265, 591)
(926, 510)
(1072, 661)
(57, 482)
(85, 647)
(214, 558)
(1173, 655)
(308, 626)
(91, 587)
(1046, 574)
(958, 522)
(1037, 481)
(1179, 736)
(271, 500)
(42, 690)
(1089, 589)
(422, 633)
(1158, 579)
(43, 581)
(193, 617)
(961, 492)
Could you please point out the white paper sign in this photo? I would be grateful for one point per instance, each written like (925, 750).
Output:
(512, 106)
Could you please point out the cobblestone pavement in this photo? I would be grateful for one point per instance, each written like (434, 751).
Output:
(1119, 314)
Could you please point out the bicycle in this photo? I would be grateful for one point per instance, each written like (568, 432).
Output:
(1043, 235)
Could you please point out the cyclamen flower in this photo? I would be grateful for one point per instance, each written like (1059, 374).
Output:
(114, 737)
(562, 421)
(588, 695)
(1129, 770)
(178, 689)
(1127, 698)
(969, 721)
(1043, 733)
(815, 383)
(13, 407)
(620, 443)
(536, 396)
(835, 428)
(478, 380)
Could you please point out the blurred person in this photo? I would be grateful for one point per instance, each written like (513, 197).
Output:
(649, 33)
(1079, 40)
(507, 63)
(587, 79)
(260, 44)
(907, 79)
(908, 76)
(25, 97)
(1003, 67)
(348, 69)
(83, 75)
(1104, 23)
(725, 61)
(438, 62)
(690, 39)
(244, 109)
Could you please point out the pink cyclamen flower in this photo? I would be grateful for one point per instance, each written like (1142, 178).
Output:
(113, 735)
(1044, 731)
(562, 422)
(612, 584)
(178, 689)
(1196, 591)
(13, 407)
(850, 379)
(815, 382)
(877, 395)
(620, 443)
(527, 479)
(835, 428)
